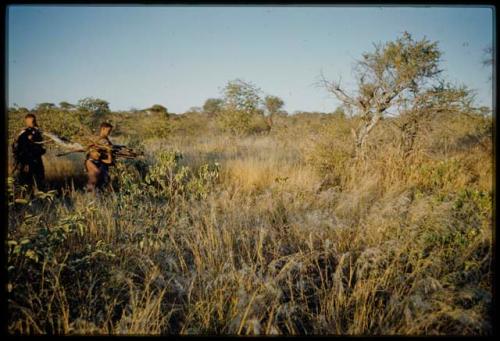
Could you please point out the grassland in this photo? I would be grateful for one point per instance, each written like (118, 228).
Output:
(277, 233)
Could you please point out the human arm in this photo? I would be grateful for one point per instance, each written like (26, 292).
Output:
(109, 156)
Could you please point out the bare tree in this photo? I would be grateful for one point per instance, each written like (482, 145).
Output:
(488, 59)
(387, 79)
(488, 56)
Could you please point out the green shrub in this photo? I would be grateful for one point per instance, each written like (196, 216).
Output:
(332, 154)
(236, 122)
(64, 123)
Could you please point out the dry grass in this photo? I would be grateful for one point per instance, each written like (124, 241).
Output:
(267, 247)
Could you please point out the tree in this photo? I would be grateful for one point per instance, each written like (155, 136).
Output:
(488, 59)
(45, 106)
(488, 56)
(439, 100)
(66, 105)
(94, 105)
(194, 109)
(213, 106)
(159, 109)
(273, 104)
(387, 79)
(15, 107)
(241, 103)
(242, 96)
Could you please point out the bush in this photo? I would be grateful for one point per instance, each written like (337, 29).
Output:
(234, 121)
(258, 124)
(63, 123)
(332, 154)
(151, 126)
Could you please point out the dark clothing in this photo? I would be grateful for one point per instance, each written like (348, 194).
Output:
(104, 174)
(28, 157)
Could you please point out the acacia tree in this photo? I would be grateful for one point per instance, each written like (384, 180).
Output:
(388, 78)
(273, 106)
(94, 105)
(241, 103)
(45, 106)
(242, 96)
(159, 109)
(213, 106)
(66, 105)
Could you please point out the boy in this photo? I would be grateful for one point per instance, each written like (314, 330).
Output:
(99, 158)
(96, 167)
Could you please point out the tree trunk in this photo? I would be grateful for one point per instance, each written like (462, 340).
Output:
(363, 132)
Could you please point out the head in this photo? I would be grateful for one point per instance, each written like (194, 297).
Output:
(30, 120)
(105, 129)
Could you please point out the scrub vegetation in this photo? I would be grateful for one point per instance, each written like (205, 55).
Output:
(241, 219)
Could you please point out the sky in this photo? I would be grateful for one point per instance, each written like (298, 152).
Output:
(137, 56)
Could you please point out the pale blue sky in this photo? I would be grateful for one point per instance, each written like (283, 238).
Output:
(137, 56)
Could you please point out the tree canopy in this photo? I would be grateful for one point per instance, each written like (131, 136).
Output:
(390, 77)
(94, 105)
(273, 104)
(160, 109)
(213, 106)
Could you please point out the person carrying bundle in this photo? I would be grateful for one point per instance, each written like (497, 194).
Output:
(101, 153)
(99, 158)
(97, 169)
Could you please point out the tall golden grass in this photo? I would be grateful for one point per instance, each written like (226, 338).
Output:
(290, 238)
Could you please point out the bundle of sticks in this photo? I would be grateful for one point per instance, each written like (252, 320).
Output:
(118, 151)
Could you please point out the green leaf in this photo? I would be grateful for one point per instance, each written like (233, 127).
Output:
(32, 255)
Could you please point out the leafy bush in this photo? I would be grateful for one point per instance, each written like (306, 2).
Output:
(234, 121)
(167, 178)
(241, 108)
(332, 154)
(95, 106)
(65, 123)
